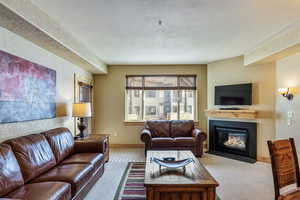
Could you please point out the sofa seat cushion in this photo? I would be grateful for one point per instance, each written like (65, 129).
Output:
(61, 141)
(184, 141)
(96, 159)
(10, 172)
(40, 191)
(163, 142)
(34, 155)
(76, 174)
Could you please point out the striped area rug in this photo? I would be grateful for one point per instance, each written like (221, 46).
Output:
(131, 186)
(132, 183)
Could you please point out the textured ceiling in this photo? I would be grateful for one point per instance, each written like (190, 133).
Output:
(192, 31)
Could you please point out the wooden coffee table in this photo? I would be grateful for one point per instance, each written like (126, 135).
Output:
(195, 183)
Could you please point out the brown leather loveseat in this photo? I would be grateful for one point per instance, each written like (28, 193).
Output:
(173, 135)
(49, 165)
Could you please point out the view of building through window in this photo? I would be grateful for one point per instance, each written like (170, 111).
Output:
(160, 97)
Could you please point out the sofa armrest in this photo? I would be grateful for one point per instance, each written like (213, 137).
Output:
(146, 136)
(89, 146)
(199, 135)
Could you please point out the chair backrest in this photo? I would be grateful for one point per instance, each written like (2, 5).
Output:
(285, 165)
(10, 173)
(158, 128)
(61, 142)
(170, 128)
(182, 128)
(33, 154)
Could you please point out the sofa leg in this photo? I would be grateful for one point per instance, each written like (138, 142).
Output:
(198, 152)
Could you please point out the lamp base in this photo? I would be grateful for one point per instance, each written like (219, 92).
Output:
(81, 126)
(77, 137)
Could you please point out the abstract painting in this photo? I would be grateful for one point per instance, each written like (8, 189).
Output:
(27, 90)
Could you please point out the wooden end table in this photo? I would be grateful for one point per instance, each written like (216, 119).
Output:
(99, 141)
(194, 183)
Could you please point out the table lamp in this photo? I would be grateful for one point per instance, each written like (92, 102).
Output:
(82, 110)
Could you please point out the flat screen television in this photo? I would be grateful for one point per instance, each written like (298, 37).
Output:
(240, 94)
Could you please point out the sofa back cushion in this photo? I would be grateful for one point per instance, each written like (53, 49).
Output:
(61, 141)
(34, 155)
(182, 128)
(158, 128)
(10, 172)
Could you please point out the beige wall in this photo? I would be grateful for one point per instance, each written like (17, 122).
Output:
(110, 99)
(233, 71)
(18, 46)
(288, 75)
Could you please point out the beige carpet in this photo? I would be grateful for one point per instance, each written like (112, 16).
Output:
(238, 180)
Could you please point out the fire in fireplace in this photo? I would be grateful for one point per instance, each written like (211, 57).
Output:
(233, 139)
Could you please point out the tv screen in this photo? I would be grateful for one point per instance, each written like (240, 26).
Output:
(240, 94)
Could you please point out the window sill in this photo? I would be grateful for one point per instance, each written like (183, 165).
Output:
(134, 123)
(141, 123)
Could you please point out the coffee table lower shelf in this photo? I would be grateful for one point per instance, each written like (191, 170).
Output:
(180, 193)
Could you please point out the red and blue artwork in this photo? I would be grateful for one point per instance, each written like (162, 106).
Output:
(27, 90)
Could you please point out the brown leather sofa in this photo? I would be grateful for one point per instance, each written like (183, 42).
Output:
(173, 135)
(49, 165)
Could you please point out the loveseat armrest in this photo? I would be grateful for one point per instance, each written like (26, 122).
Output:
(199, 135)
(89, 145)
(146, 136)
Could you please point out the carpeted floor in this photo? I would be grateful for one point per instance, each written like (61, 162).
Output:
(238, 180)
(131, 186)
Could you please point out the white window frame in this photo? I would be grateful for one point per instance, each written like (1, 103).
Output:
(196, 99)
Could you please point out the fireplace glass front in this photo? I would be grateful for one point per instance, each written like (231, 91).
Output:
(231, 139)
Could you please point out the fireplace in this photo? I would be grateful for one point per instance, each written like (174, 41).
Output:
(236, 140)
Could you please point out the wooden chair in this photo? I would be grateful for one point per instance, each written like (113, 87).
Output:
(285, 168)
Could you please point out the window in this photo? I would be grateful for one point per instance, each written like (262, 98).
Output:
(160, 97)
(175, 109)
(137, 110)
(134, 105)
(150, 93)
(189, 108)
(85, 95)
(84, 92)
(150, 110)
(136, 93)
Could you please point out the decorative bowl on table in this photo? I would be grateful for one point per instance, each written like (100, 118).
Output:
(171, 162)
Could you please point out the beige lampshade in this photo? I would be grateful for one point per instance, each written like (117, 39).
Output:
(82, 110)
